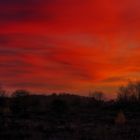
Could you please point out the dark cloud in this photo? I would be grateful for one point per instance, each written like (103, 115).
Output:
(17, 44)
(14, 63)
(19, 2)
(21, 15)
(7, 51)
(24, 10)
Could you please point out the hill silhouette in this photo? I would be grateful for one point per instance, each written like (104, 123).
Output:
(70, 117)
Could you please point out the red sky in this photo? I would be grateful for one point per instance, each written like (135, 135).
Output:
(69, 45)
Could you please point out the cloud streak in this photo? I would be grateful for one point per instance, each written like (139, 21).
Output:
(72, 45)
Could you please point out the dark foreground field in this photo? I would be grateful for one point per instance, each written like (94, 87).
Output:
(67, 117)
(90, 129)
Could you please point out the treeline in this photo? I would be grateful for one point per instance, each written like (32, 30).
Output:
(24, 103)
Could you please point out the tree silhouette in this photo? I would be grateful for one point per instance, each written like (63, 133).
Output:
(129, 93)
(20, 93)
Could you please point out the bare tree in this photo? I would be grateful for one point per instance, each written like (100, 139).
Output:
(130, 92)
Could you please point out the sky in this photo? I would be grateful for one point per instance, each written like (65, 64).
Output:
(74, 46)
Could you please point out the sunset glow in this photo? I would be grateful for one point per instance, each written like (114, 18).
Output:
(69, 45)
